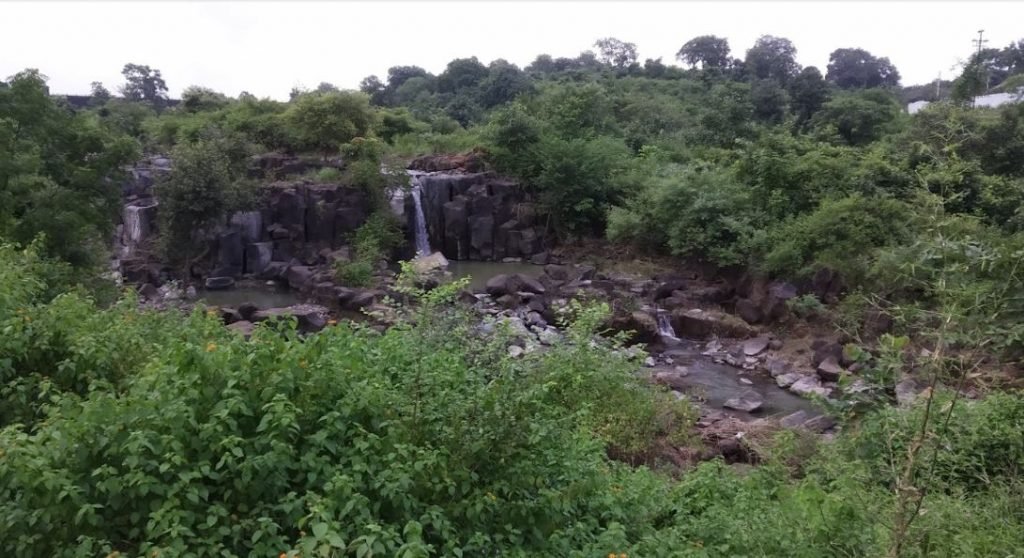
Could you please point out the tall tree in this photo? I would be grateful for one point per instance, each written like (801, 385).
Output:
(503, 83)
(461, 73)
(143, 83)
(706, 51)
(100, 95)
(58, 172)
(856, 68)
(616, 53)
(807, 93)
(375, 88)
(772, 58)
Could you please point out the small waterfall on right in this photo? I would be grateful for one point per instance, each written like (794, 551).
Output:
(422, 240)
(665, 328)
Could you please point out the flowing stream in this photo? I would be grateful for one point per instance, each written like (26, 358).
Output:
(665, 328)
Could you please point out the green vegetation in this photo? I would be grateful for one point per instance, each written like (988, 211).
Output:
(140, 432)
(145, 433)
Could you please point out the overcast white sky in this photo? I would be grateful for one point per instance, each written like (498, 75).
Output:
(266, 48)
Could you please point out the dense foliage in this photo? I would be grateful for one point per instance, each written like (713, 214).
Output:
(141, 432)
(126, 431)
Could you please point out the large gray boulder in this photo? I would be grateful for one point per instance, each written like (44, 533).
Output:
(510, 284)
(310, 317)
(749, 402)
(299, 277)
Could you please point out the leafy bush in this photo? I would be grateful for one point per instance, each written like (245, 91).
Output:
(695, 212)
(372, 242)
(840, 234)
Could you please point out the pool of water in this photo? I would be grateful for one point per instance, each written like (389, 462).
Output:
(717, 383)
(480, 272)
(263, 296)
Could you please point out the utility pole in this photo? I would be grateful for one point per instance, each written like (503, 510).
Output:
(938, 86)
(980, 42)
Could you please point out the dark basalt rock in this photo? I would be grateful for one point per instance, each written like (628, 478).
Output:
(219, 283)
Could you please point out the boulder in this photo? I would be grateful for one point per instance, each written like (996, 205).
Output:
(501, 285)
(774, 306)
(697, 323)
(299, 277)
(667, 288)
(230, 315)
(824, 349)
(777, 367)
(672, 379)
(906, 391)
(242, 327)
(275, 270)
(310, 317)
(218, 283)
(787, 379)
(829, 370)
(749, 402)
(755, 346)
(247, 310)
(809, 385)
(640, 326)
(148, 291)
(361, 299)
(540, 258)
(427, 265)
(748, 310)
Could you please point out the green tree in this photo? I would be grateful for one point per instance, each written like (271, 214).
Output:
(100, 95)
(859, 118)
(323, 122)
(706, 51)
(807, 93)
(192, 197)
(772, 58)
(196, 98)
(616, 53)
(460, 75)
(856, 68)
(143, 83)
(504, 82)
(59, 173)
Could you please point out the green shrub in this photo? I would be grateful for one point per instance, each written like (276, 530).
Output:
(329, 175)
(372, 242)
(841, 235)
(693, 212)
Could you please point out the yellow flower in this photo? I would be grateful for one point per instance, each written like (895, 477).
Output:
(303, 363)
(623, 555)
(611, 555)
(283, 555)
(211, 346)
(332, 322)
(211, 312)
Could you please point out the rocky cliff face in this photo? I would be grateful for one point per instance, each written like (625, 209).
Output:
(294, 222)
(478, 216)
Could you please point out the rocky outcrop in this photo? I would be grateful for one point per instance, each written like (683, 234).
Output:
(477, 216)
(467, 162)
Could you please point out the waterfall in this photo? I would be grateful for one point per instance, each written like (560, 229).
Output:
(422, 240)
(665, 328)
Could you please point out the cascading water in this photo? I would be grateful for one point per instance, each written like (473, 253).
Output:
(665, 328)
(422, 240)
